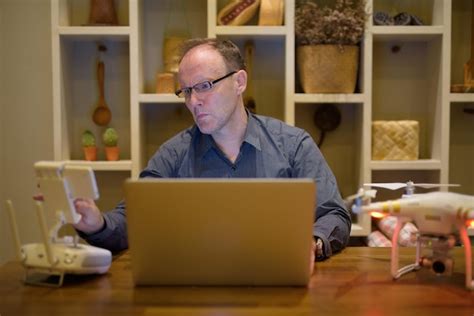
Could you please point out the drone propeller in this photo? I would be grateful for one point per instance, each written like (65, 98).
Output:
(435, 185)
(358, 199)
(390, 186)
(409, 184)
(362, 194)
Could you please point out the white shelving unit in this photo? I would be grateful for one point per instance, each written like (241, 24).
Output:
(405, 73)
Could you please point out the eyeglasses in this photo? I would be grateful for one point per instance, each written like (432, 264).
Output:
(201, 87)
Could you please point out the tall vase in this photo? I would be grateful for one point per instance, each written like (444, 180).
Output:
(328, 68)
(102, 12)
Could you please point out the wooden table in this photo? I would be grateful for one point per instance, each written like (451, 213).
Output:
(356, 281)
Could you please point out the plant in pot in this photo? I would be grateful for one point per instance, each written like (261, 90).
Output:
(327, 38)
(89, 146)
(110, 138)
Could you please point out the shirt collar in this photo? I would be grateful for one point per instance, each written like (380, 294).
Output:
(251, 134)
(205, 142)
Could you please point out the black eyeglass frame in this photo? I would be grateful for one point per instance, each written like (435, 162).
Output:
(211, 85)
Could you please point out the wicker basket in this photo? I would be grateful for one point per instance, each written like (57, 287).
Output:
(165, 82)
(395, 140)
(328, 68)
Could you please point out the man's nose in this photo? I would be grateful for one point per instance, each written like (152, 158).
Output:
(194, 98)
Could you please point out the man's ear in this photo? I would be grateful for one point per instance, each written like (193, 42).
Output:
(241, 81)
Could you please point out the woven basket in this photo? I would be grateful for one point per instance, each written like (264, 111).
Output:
(328, 68)
(165, 82)
(395, 140)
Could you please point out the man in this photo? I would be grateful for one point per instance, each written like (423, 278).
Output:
(228, 141)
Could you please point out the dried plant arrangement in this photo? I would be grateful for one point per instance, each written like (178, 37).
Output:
(342, 23)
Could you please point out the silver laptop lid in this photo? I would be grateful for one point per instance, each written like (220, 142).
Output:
(220, 231)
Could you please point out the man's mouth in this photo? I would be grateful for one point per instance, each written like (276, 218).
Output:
(200, 116)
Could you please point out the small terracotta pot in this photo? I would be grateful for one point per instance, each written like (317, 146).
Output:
(112, 153)
(90, 153)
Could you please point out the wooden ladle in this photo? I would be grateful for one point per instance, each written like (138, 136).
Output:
(102, 114)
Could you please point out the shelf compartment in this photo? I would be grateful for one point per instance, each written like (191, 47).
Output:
(341, 147)
(76, 12)
(160, 19)
(461, 149)
(79, 95)
(407, 85)
(429, 11)
(160, 122)
(218, 5)
(342, 150)
(460, 40)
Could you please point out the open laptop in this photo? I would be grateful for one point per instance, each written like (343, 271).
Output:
(220, 231)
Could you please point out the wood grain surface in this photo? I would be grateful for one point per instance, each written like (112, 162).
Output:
(354, 282)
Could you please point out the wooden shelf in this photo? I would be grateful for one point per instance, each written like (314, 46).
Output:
(422, 164)
(407, 33)
(251, 30)
(93, 31)
(120, 165)
(328, 98)
(461, 97)
(159, 98)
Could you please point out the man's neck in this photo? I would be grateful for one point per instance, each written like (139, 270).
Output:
(230, 139)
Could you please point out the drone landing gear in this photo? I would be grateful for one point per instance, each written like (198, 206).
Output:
(406, 269)
(396, 272)
(468, 256)
(440, 261)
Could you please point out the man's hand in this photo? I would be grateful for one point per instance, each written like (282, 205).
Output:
(313, 256)
(319, 250)
(92, 220)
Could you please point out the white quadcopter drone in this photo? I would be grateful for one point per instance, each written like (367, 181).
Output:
(437, 215)
(46, 263)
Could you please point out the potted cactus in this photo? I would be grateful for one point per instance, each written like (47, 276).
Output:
(110, 139)
(89, 146)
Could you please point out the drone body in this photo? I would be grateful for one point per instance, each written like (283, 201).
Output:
(438, 215)
(435, 213)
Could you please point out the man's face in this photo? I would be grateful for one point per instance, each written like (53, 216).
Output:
(214, 111)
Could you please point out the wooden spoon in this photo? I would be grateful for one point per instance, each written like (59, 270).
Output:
(102, 114)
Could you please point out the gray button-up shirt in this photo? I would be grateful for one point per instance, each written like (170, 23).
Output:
(271, 149)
